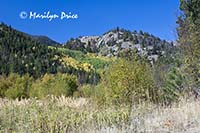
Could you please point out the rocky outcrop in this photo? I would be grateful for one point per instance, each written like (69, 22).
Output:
(118, 40)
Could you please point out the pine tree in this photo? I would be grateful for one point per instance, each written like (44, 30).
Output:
(189, 36)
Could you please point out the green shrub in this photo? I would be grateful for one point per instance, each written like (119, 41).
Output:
(57, 85)
(15, 86)
(4, 85)
(174, 86)
(86, 91)
(128, 81)
(100, 95)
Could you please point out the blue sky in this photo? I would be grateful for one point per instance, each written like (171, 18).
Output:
(157, 17)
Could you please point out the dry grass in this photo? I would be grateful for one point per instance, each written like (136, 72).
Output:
(79, 115)
(58, 115)
(59, 101)
(180, 117)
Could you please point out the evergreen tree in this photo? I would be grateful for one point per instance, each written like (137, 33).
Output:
(189, 36)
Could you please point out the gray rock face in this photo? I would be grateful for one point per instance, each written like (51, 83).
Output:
(117, 40)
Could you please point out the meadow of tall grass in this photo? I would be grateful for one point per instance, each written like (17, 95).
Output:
(64, 114)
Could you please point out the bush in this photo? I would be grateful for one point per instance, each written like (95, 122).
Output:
(128, 81)
(174, 86)
(86, 91)
(57, 85)
(15, 86)
(100, 94)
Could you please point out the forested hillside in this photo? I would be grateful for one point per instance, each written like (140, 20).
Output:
(21, 54)
(45, 40)
(87, 58)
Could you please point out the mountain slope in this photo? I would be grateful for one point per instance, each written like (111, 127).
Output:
(21, 54)
(44, 40)
(117, 41)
